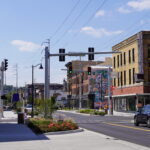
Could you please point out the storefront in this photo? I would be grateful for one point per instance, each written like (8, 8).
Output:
(128, 103)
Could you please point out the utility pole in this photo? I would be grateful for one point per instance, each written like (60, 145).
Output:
(109, 92)
(47, 75)
(1, 88)
(80, 87)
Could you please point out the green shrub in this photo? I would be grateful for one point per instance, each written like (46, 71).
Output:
(92, 111)
(99, 113)
(87, 111)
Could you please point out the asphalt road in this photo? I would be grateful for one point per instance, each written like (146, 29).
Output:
(115, 126)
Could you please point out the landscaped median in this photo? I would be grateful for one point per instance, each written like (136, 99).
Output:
(42, 125)
(92, 112)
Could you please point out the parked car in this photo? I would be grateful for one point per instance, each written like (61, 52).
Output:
(28, 108)
(142, 116)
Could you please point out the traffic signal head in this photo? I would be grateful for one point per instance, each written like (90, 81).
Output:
(5, 64)
(89, 70)
(62, 57)
(91, 50)
(70, 70)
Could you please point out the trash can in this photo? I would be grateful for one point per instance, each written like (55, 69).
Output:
(20, 118)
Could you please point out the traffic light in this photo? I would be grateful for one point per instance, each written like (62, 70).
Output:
(3, 97)
(89, 70)
(91, 50)
(62, 57)
(5, 64)
(70, 70)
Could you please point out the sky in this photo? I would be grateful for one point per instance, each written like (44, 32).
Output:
(71, 24)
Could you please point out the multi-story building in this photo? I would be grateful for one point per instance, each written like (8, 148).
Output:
(132, 69)
(83, 84)
(75, 80)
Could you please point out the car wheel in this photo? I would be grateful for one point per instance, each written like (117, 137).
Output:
(136, 122)
(148, 123)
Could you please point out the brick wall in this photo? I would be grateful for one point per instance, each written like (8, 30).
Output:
(128, 90)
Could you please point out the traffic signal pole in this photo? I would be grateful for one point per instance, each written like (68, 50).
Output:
(1, 89)
(47, 67)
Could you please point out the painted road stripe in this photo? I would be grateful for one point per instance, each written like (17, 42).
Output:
(119, 125)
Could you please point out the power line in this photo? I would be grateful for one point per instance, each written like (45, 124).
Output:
(65, 20)
(90, 18)
(73, 23)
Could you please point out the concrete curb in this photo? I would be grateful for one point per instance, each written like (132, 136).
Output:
(83, 114)
(64, 132)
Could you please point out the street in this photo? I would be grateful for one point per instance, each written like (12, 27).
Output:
(114, 126)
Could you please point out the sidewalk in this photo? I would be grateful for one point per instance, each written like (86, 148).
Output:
(20, 137)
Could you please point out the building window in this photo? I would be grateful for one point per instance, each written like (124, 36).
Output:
(129, 56)
(118, 60)
(124, 77)
(148, 75)
(114, 81)
(121, 59)
(118, 79)
(129, 76)
(121, 79)
(133, 73)
(114, 62)
(124, 58)
(148, 50)
(133, 57)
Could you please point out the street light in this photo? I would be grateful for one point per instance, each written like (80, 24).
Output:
(41, 67)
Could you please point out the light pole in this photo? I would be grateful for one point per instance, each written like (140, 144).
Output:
(41, 67)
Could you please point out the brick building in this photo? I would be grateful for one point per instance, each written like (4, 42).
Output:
(80, 81)
(132, 68)
(75, 81)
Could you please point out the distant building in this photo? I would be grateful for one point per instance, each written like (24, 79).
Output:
(132, 69)
(55, 90)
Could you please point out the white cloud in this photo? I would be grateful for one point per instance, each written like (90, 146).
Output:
(98, 32)
(124, 10)
(135, 5)
(139, 5)
(100, 13)
(25, 45)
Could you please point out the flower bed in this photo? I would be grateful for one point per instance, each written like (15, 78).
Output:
(92, 111)
(46, 125)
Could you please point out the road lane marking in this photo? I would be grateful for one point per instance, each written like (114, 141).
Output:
(119, 125)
